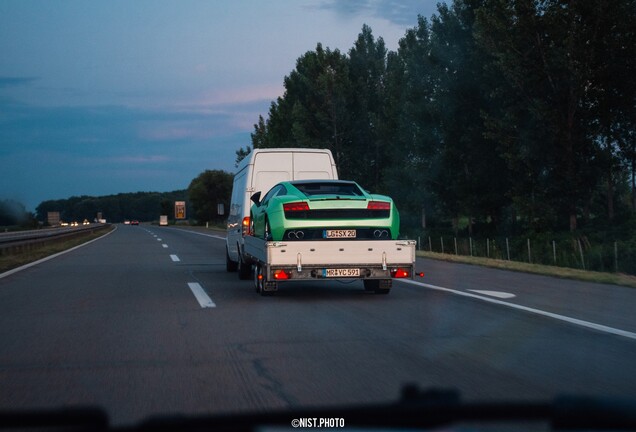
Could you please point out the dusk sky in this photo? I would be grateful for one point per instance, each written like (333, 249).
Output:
(103, 97)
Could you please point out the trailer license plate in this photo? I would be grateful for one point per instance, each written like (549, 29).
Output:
(343, 233)
(341, 273)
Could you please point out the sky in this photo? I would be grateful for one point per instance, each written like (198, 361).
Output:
(107, 97)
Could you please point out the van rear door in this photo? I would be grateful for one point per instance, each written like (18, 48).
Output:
(269, 169)
(308, 166)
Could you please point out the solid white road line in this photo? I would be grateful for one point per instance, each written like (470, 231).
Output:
(174, 258)
(498, 294)
(582, 323)
(204, 300)
(34, 263)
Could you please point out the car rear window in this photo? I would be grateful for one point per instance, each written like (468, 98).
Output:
(329, 188)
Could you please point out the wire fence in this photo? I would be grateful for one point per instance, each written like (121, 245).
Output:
(579, 253)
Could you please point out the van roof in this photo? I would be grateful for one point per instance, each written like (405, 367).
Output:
(254, 152)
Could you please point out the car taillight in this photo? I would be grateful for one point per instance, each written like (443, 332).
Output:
(296, 206)
(379, 205)
(246, 226)
(399, 273)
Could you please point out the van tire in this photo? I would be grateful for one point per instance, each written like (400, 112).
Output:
(244, 269)
(230, 266)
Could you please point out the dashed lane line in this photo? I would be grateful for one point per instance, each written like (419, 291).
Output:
(204, 300)
(199, 233)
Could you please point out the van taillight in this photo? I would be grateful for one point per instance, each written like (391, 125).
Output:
(246, 225)
(379, 205)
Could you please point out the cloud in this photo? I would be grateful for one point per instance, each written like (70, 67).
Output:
(7, 82)
(400, 12)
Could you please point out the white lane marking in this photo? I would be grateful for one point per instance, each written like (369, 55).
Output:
(201, 234)
(50, 257)
(158, 239)
(582, 323)
(174, 258)
(498, 294)
(164, 246)
(204, 300)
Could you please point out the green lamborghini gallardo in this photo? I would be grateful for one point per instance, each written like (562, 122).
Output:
(323, 210)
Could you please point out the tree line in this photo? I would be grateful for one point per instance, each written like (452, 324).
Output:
(203, 196)
(142, 206)
(497, 115)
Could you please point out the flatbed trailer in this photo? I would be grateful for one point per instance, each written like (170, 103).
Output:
(375, 262)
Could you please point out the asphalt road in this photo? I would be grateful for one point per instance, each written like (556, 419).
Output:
(146, 321)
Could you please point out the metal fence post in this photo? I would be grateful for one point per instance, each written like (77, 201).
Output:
(508, 248)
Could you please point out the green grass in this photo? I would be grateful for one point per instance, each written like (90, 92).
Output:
(562, 272)
(11, 261)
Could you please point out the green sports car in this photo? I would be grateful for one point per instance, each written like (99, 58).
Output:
(323, 210)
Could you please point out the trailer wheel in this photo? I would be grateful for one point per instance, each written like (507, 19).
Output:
(260, 279)
(378, 286)
(258, 282)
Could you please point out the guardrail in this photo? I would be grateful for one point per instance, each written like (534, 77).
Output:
(21, 241)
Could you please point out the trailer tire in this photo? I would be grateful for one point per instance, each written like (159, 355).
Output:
(378, 286)
(259, 283)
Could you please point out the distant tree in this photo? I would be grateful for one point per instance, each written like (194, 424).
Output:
(207, 191)
(553, 56)
(313, 112)
(14, 213)
(367, 145)
(143, 206)
(242, 153)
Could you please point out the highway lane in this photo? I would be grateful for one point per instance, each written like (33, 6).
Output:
(116, 324)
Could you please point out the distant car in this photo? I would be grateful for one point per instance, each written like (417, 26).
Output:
(323, 210)
(126, 222)
(134, 222)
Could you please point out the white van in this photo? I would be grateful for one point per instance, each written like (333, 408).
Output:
(260, 171)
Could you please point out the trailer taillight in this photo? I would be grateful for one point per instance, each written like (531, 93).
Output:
(400, 273)
(281, 275)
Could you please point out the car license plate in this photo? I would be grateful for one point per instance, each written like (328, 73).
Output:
(341, 273)
(342, 233)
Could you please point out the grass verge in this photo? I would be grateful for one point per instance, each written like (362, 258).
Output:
(562, 272)
(11, 261)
